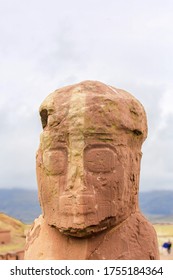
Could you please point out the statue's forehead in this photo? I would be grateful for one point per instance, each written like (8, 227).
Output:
(88, 111)
(94, 93)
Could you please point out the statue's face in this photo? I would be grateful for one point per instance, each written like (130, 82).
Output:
(87, 168)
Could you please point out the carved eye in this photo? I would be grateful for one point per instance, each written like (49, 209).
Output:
(99, 160)
(55, 162)
(44, 117)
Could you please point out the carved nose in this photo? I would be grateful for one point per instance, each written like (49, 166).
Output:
(75, 179)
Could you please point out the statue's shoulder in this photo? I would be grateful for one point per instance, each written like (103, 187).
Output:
(141, 225)
(142, 220)
(34, 231)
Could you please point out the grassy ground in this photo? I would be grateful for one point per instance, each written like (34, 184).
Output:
(164, 233)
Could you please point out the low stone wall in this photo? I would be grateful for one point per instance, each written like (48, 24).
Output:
(18, 255)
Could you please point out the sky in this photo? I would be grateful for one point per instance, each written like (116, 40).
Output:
(47, 44)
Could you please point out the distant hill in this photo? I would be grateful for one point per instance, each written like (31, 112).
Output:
(157, 202)
(9, 223)
(17, 232)
(20, 203)
(23, 204)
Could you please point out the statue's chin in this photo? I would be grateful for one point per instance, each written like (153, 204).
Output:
(89, 230)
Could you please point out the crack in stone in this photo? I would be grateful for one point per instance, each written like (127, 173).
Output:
(114, 228)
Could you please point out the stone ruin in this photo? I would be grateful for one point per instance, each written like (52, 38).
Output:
(14, 255)
(88, 167)
(5, 236)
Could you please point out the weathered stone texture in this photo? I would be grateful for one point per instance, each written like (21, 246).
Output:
(88, 166)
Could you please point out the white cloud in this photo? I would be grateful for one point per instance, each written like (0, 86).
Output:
(166, 103)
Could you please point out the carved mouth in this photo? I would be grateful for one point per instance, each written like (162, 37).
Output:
(90, 230)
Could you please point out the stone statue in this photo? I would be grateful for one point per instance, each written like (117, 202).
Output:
(88, 166)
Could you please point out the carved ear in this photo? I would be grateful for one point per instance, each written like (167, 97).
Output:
(44, 117)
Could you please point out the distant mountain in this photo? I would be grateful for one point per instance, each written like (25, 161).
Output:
(23, 204)
(20, 203)
(157, 202)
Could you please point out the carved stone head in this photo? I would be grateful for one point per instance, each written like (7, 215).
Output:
(88, 162)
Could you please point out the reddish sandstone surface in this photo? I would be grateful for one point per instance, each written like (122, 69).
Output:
(88, 167)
